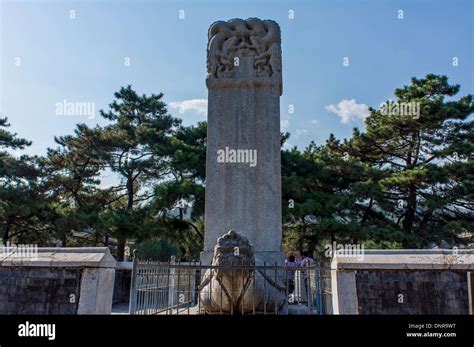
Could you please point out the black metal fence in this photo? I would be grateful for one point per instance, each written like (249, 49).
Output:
(173, 288)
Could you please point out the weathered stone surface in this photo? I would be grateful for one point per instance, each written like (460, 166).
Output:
(123, 278)
(402, 282)
(61, 257)
(38, 291)
(51, 282)
(244, 81)
(244, 49)
(424, 292)
(455, 259)
(97, 286)
(345, 282)
(238, 290)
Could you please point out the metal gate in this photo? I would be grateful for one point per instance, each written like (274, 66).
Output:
(162, 288)
(172, 288)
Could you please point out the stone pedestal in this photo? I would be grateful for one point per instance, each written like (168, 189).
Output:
(243, 174)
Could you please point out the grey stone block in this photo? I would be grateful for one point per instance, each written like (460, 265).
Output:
(71, 274)
(5, 273)
(427, 296)
(45, 273)
(97, 287)
(30, 289)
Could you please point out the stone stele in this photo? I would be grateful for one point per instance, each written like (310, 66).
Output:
(244, 81)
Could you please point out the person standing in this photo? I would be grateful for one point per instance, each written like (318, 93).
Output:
(291, 264)
(299, 257)
(305, 262)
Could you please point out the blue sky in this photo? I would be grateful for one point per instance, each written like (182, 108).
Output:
(83, 59)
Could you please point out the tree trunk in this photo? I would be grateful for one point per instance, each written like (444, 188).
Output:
(367, 211)
(122, 239)
(411, 198)
(6, 232)
(130, 191)
(410, 211)
(121, 242)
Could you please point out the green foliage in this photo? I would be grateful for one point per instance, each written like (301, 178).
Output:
(404, 182)
(136, 146)
(21, 198)
(157, 250)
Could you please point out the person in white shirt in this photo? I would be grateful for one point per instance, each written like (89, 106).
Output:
(306, 261)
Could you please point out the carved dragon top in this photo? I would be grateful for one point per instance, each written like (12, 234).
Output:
(231, 41)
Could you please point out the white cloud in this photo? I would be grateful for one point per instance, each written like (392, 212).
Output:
(301, 132)
(284, 124)
(315, 122)
(197, 105)
(349, 110)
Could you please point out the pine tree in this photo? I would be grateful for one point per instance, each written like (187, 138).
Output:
(18, 196)
(425, 160)
(136, 145)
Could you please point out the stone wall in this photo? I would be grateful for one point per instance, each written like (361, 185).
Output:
(39, 290)
(123, 280)
(422, 292)
(57, 281)
(403, 282)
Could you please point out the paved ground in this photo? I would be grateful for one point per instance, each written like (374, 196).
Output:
(292, 310)
(120, 309)
(301, 309)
